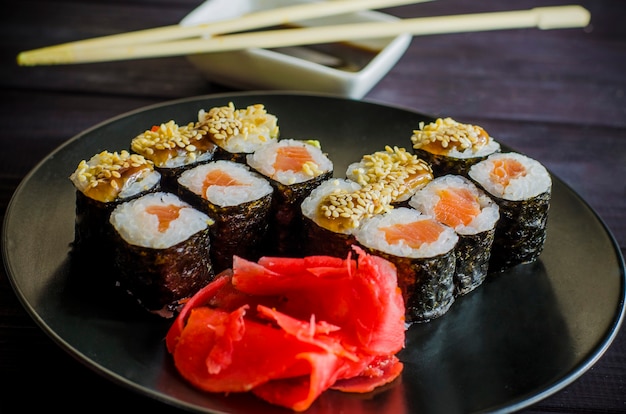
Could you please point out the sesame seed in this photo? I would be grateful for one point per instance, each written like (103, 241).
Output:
(448, 133)
(223, 123)
(167, 137)
(108, 168)
(384, 177)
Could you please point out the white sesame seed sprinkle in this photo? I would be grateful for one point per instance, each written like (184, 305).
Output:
(448, 133)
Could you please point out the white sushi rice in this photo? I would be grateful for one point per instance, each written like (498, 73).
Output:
(263, 161)
(370, 234)
(491, 147)
(310, 204)
(145, 181)
(138, 227)
(186, 158)
(536, 181)
(426, 199)
(250, 186)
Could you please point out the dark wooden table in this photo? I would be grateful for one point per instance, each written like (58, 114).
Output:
(558, 96)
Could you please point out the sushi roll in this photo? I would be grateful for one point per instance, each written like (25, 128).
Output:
(161, 253)
(238, 132)
(173, 149)
(103, 182)
(451, 147)
(238, 200)
(423, 251)
(403, 173)
(522, 189)
(455, 201)
(294, 169)
(327, 230)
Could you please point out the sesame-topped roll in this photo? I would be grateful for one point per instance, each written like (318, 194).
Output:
(451, 147)
(327, 228)
(238, 132)
(294, 168)
(173, 149)
(334, 210)
(102, 182)
(402, 172)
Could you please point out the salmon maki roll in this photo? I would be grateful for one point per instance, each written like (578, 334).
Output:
(455, 201)
(294, 168)
(451, 147)
(521, 186)
(103, 182)
(161, 254)
(173, 149)
(238, 132)
(423, 251)
(238, 200)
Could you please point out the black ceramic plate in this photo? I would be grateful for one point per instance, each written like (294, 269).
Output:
(523, 335)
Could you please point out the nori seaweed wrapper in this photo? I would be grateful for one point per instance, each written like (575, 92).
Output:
(159, 278)
(237, 230)
(473, 252)
(223, 154)
(443, 164)
(319, 241)
(286, 219)
(520, 232)
(427, 284)
(93, 232)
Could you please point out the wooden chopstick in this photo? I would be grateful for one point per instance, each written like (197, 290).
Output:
(254, 20)
(554, 17)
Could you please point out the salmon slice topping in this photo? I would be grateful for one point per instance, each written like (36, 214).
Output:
(414, 234)
(292, 158)
(456, 206)
(219, 178)
(165, 214)
(507, 169)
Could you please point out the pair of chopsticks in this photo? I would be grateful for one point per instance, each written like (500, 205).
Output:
(178, 40)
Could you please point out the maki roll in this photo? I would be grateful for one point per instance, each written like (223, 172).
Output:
(294, 168)
(455, 201)
(522, 189)
(238, 132)
(398, 170)
(103, 182)
(161, 254)
(173, 149)
(327, 228)
(451, 147)
(238, 200)
(423, 251)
